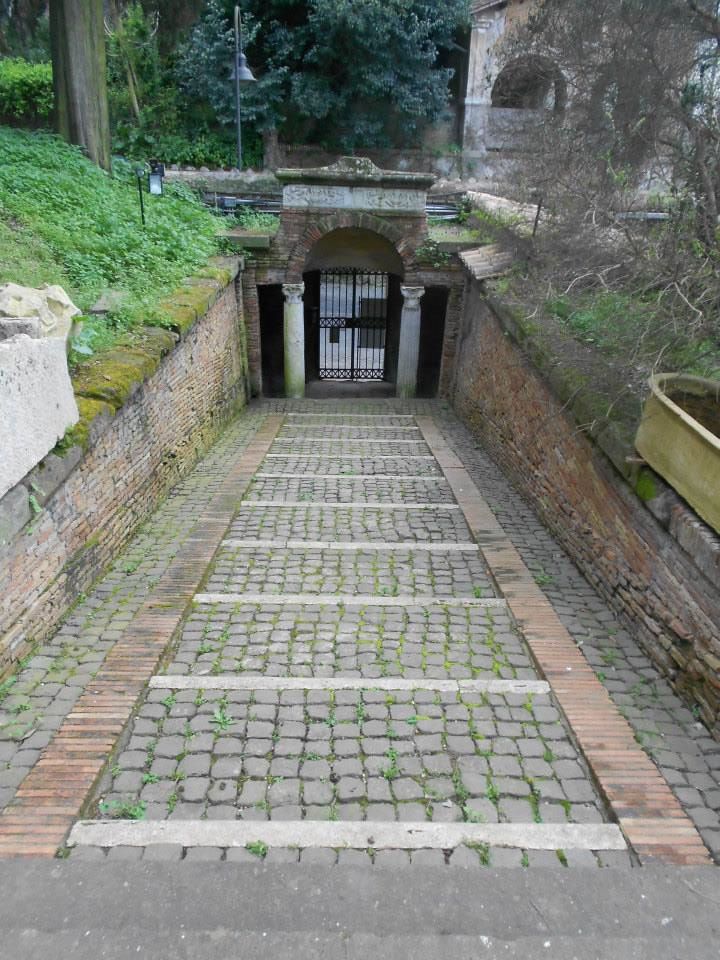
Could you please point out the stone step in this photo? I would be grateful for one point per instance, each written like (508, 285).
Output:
(363, 601)
(348, 488)
(258, 749)
(357, 836)
(444, 641)
(324, 464)
(371, 418)
(383, 522)
(369, 441)
(331, 430)
(352, 545)
(247, 682)
(303, 570)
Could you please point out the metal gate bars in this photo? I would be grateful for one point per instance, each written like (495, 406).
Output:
(352, 321)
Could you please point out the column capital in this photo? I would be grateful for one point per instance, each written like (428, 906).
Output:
(412, 296)
(293, 292)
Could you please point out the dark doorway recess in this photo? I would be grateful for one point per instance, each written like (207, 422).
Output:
(352, 321)
(351, 324)
(433, 308)
(271, 303)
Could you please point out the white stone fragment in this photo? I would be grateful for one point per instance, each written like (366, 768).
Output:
(37, 404)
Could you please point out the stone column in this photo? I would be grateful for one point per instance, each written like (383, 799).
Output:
(294, 339)
(409, 350)
(487, 28)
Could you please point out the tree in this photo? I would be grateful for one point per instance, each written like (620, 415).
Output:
(640, 128)
(643, 83)
(342, 73)
(79, 76)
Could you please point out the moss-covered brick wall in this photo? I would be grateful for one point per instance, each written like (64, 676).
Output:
(648, 555)
(147, 413)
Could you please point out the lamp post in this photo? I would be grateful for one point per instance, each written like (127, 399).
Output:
(140, 174)
(243, 74)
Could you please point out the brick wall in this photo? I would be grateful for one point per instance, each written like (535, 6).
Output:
(639, 566)
(132, 460)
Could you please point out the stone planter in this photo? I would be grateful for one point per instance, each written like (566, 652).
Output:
(679, 437)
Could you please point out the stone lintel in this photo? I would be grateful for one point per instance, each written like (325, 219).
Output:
(356, 172)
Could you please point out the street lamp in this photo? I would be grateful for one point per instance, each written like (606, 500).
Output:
(155, 178)
(242, 74)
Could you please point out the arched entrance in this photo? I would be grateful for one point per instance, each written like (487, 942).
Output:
(353, 304)
(530, 83)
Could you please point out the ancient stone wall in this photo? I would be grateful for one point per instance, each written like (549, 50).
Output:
(65, 523)
(661, 574)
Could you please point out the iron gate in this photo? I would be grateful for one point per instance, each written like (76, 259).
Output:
(353, 323)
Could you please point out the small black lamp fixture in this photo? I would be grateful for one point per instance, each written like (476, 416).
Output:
(241, 74)
(155, 178)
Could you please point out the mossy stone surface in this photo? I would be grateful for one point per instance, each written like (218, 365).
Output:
(645, 486)
(114, 375)
(186, 305)
(80, 434)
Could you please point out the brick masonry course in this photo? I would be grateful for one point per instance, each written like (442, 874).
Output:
(670, 604)
(132, 459)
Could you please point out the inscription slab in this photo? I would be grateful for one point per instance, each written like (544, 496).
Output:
(307, 196)
(355, 183)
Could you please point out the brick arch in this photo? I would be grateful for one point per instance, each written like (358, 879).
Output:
(401, 236)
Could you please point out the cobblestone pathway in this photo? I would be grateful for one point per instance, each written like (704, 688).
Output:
(356, 680)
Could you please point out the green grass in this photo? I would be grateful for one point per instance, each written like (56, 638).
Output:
(63, 220)
(619, 325)
(256, 221)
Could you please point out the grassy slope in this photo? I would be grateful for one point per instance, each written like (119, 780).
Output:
(63, 220)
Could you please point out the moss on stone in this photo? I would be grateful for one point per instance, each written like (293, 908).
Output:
(645, 486)
(187, 304)
(223, 275)
(112, 376)
(79, 435)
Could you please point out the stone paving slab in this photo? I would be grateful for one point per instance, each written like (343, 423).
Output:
(455, 642)
(336, 572)
(321, 523)
(350, 754)
(323, 464)
(344, 488)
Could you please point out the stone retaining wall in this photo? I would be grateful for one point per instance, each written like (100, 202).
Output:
(147, 414)
(655, 563)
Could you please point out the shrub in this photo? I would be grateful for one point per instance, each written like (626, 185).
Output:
(26, 90)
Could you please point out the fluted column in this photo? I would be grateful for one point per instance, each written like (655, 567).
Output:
(409, 350)
(294, 339)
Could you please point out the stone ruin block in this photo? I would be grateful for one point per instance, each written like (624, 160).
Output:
(37, 404)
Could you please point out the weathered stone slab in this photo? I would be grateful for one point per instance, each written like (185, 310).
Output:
(318, 833)
(14, 513)
(355, 183)
(37, 403)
